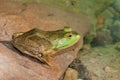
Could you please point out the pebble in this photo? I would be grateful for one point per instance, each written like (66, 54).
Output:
(80, 79)
(71, 74)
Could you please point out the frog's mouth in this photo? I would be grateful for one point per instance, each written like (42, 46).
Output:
(66, 42)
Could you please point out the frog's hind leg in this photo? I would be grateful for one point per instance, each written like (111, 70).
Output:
(45, 59)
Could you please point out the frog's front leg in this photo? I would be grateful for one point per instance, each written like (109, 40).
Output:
(50, 52)
(45, 57)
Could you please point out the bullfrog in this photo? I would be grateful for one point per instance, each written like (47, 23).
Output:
(43, 44)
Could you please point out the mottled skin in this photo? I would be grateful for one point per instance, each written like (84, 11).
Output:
(42, 44)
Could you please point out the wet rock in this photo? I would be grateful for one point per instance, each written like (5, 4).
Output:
(115, 30)
(102, 63)
(80, 68)
(100, 22)
(107, 16)
(102, 38)
(108, 69)
(80, 79)
(14, 65)
(107, 13)
(117, 46)
(116, 5)
(71, 74)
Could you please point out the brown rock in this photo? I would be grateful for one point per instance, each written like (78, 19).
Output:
(10, 24)
(71, 74)
(15, 66)
(47, 17)
(108, 69)
(11, 7)
(102, 38)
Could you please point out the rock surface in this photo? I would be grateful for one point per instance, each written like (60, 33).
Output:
(102, 63)
(23, 17)
(71, 74)
(10, 24)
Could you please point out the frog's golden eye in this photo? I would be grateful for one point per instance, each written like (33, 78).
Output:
(68, 35)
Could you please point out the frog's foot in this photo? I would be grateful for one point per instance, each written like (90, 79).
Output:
(45, 59)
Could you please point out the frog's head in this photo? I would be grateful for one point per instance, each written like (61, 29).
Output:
(68, 38)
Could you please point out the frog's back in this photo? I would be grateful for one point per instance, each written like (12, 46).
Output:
(32, 40)
(35, 31)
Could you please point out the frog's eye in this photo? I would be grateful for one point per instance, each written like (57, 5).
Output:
(68, 35)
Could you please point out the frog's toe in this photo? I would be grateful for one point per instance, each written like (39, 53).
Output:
(46, 59)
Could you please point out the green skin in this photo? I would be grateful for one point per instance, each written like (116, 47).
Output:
(42, 44)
